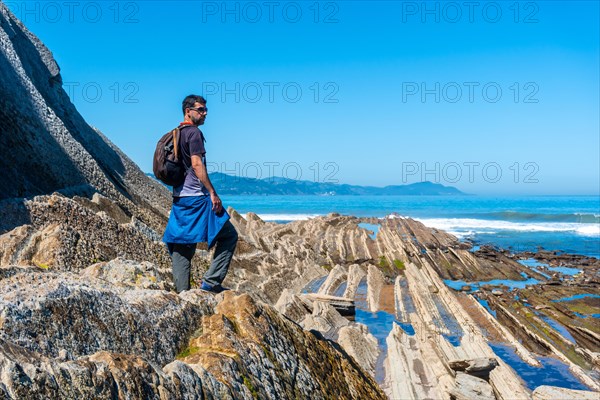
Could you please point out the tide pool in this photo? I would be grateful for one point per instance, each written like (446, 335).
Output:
(532, 262)
(511, 284)
(406, 327)
(557, 327)
(565, 270)
(314, 285)
(577, 297)
(552, 372)
(485, 304)
(380, 325)
(370, 227)
(585, 316)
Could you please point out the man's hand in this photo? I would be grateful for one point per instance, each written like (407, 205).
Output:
(216, 202)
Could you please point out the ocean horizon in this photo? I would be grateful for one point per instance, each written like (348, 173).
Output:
(568, 224)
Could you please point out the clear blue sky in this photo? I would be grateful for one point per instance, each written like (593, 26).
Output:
(392, 92)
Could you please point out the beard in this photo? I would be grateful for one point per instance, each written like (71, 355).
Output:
(198, 120)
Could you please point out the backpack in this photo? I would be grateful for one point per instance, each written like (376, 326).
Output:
(167, 165)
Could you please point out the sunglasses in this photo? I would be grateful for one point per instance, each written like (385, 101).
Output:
(200, 109)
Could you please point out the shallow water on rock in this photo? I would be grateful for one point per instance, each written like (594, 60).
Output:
(406, 327)
(485, 304)
(339, 292)
(449, 325)
(370, 227)
(585, 316)
(360, 297)
(565, 270)
(314, 285)
(511, 284)
(380, 325)
(407, 301)
(532, 263)
(557, 327)
(577, 297)
(552, 372)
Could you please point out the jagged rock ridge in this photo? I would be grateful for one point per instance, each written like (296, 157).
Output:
(47, 145)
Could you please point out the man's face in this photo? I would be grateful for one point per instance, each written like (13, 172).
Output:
(198, 113)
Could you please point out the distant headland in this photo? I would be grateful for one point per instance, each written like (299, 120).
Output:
(236, 185)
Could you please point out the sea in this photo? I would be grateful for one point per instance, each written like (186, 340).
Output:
(569, 224)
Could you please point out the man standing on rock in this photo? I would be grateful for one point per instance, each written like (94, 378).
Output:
(197, 214)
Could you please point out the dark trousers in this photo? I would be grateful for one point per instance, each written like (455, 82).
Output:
(181, 255)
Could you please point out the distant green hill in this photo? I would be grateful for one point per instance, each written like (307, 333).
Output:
(229, 184)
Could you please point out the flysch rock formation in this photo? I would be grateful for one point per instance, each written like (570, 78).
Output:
(417, 366)
(88, 311)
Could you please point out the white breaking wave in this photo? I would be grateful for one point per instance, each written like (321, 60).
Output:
(394, 216)
(465, 226)
(592, 230)
(287, 217)
(462, 234)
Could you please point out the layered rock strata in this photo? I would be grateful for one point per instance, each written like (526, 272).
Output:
(64, 233)
(105, 334)
(450, 328)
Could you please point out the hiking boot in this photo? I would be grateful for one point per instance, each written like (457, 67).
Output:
(213, 289)
(219, 289)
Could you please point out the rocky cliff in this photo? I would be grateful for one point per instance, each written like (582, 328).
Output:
(46, 144)
(108, 203)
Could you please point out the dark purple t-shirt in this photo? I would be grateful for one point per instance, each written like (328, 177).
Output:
(191, 144)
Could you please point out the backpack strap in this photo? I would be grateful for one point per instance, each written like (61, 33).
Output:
(176, 133)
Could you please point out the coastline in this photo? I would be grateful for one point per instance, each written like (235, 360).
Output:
(518, 223)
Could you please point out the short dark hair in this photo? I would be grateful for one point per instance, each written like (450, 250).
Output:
(190, 100)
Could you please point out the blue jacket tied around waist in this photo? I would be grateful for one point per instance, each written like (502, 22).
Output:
(192, 220)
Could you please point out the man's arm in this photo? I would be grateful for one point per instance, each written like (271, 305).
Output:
(200, 171)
